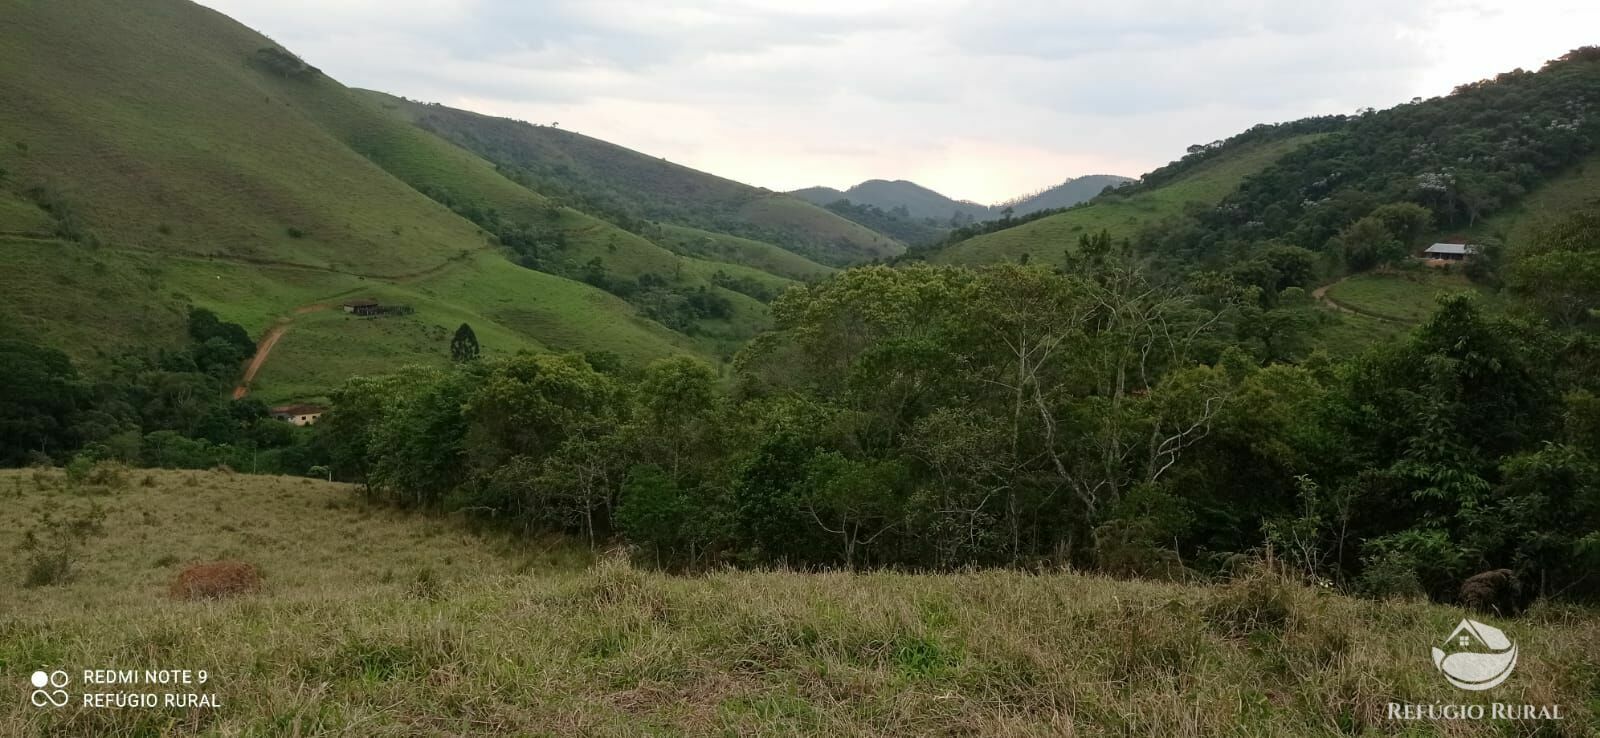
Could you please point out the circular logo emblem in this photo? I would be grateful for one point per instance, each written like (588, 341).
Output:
(47, 689)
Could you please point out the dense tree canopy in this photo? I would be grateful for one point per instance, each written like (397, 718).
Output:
(1011, 415)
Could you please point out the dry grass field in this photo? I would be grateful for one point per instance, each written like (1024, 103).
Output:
(373, 622)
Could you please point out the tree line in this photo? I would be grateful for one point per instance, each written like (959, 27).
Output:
(1101, 416)
(168, 407)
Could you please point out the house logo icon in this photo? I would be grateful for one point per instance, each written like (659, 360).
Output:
(1480, 656)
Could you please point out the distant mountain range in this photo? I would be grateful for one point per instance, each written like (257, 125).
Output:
(921, 203)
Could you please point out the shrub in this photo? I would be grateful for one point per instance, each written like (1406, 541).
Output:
(51, 548)
(284, 64)
(78, 469)
(46, 568)
(1262, 600)
(108, 474)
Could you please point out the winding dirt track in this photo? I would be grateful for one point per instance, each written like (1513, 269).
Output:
(1320, 294)
(264, 347)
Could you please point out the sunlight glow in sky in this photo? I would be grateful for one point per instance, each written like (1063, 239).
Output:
(979, 100)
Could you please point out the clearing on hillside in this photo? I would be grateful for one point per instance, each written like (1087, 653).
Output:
(1407, 296)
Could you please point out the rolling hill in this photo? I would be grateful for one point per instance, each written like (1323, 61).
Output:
(1070, 192)
(629, 187)
(919, 202)
(721, 247)
(159, 154)
(922, 204)
(1121, 214)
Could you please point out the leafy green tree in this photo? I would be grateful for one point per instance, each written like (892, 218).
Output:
(1405, 221)
(1293, 266)
(1542, 520)
(464, 345)
(529, 404)
(347, 429)
(418, 450)
(677, 525)
(40, 400)
(675, 401)
(204, 326)
(1368, 243)
(856, 502)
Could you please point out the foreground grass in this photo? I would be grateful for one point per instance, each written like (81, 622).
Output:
(350, 638)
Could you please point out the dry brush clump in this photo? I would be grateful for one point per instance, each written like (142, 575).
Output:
(215, 580)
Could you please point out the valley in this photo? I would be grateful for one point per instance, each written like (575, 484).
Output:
(398, 418)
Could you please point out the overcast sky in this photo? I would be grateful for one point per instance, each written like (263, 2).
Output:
(981, 100)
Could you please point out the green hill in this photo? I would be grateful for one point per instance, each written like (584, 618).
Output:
(721, 247)
(1122, 215)
(1071, 192)
(819, 195)
(629, 187)
(157, 154)
(917, 201)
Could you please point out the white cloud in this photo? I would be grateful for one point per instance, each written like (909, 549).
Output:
(981, 100)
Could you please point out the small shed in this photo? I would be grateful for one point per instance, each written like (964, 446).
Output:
(362, 306)
(1450, 251)
(298, 414)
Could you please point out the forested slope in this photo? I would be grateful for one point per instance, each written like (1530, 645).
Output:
(632, 189)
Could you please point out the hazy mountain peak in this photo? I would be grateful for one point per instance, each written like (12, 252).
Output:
(923, 203)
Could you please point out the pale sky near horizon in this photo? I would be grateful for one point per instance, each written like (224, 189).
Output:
(979, 99)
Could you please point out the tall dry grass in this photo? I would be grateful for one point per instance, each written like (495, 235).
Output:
(378, 623)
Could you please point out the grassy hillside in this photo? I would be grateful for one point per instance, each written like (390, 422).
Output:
(1369, 308)
(1066, 194)
(20, 217)
(175, 161)
(380, 623)
(1577, 189)
(720, 247)
(1122, 215)
(628, 185)
(838, 241)
(96, 303)
(1407, 297)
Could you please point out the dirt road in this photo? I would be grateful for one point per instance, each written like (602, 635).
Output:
(264, 347)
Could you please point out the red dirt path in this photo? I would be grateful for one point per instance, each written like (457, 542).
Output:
(264, 347)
